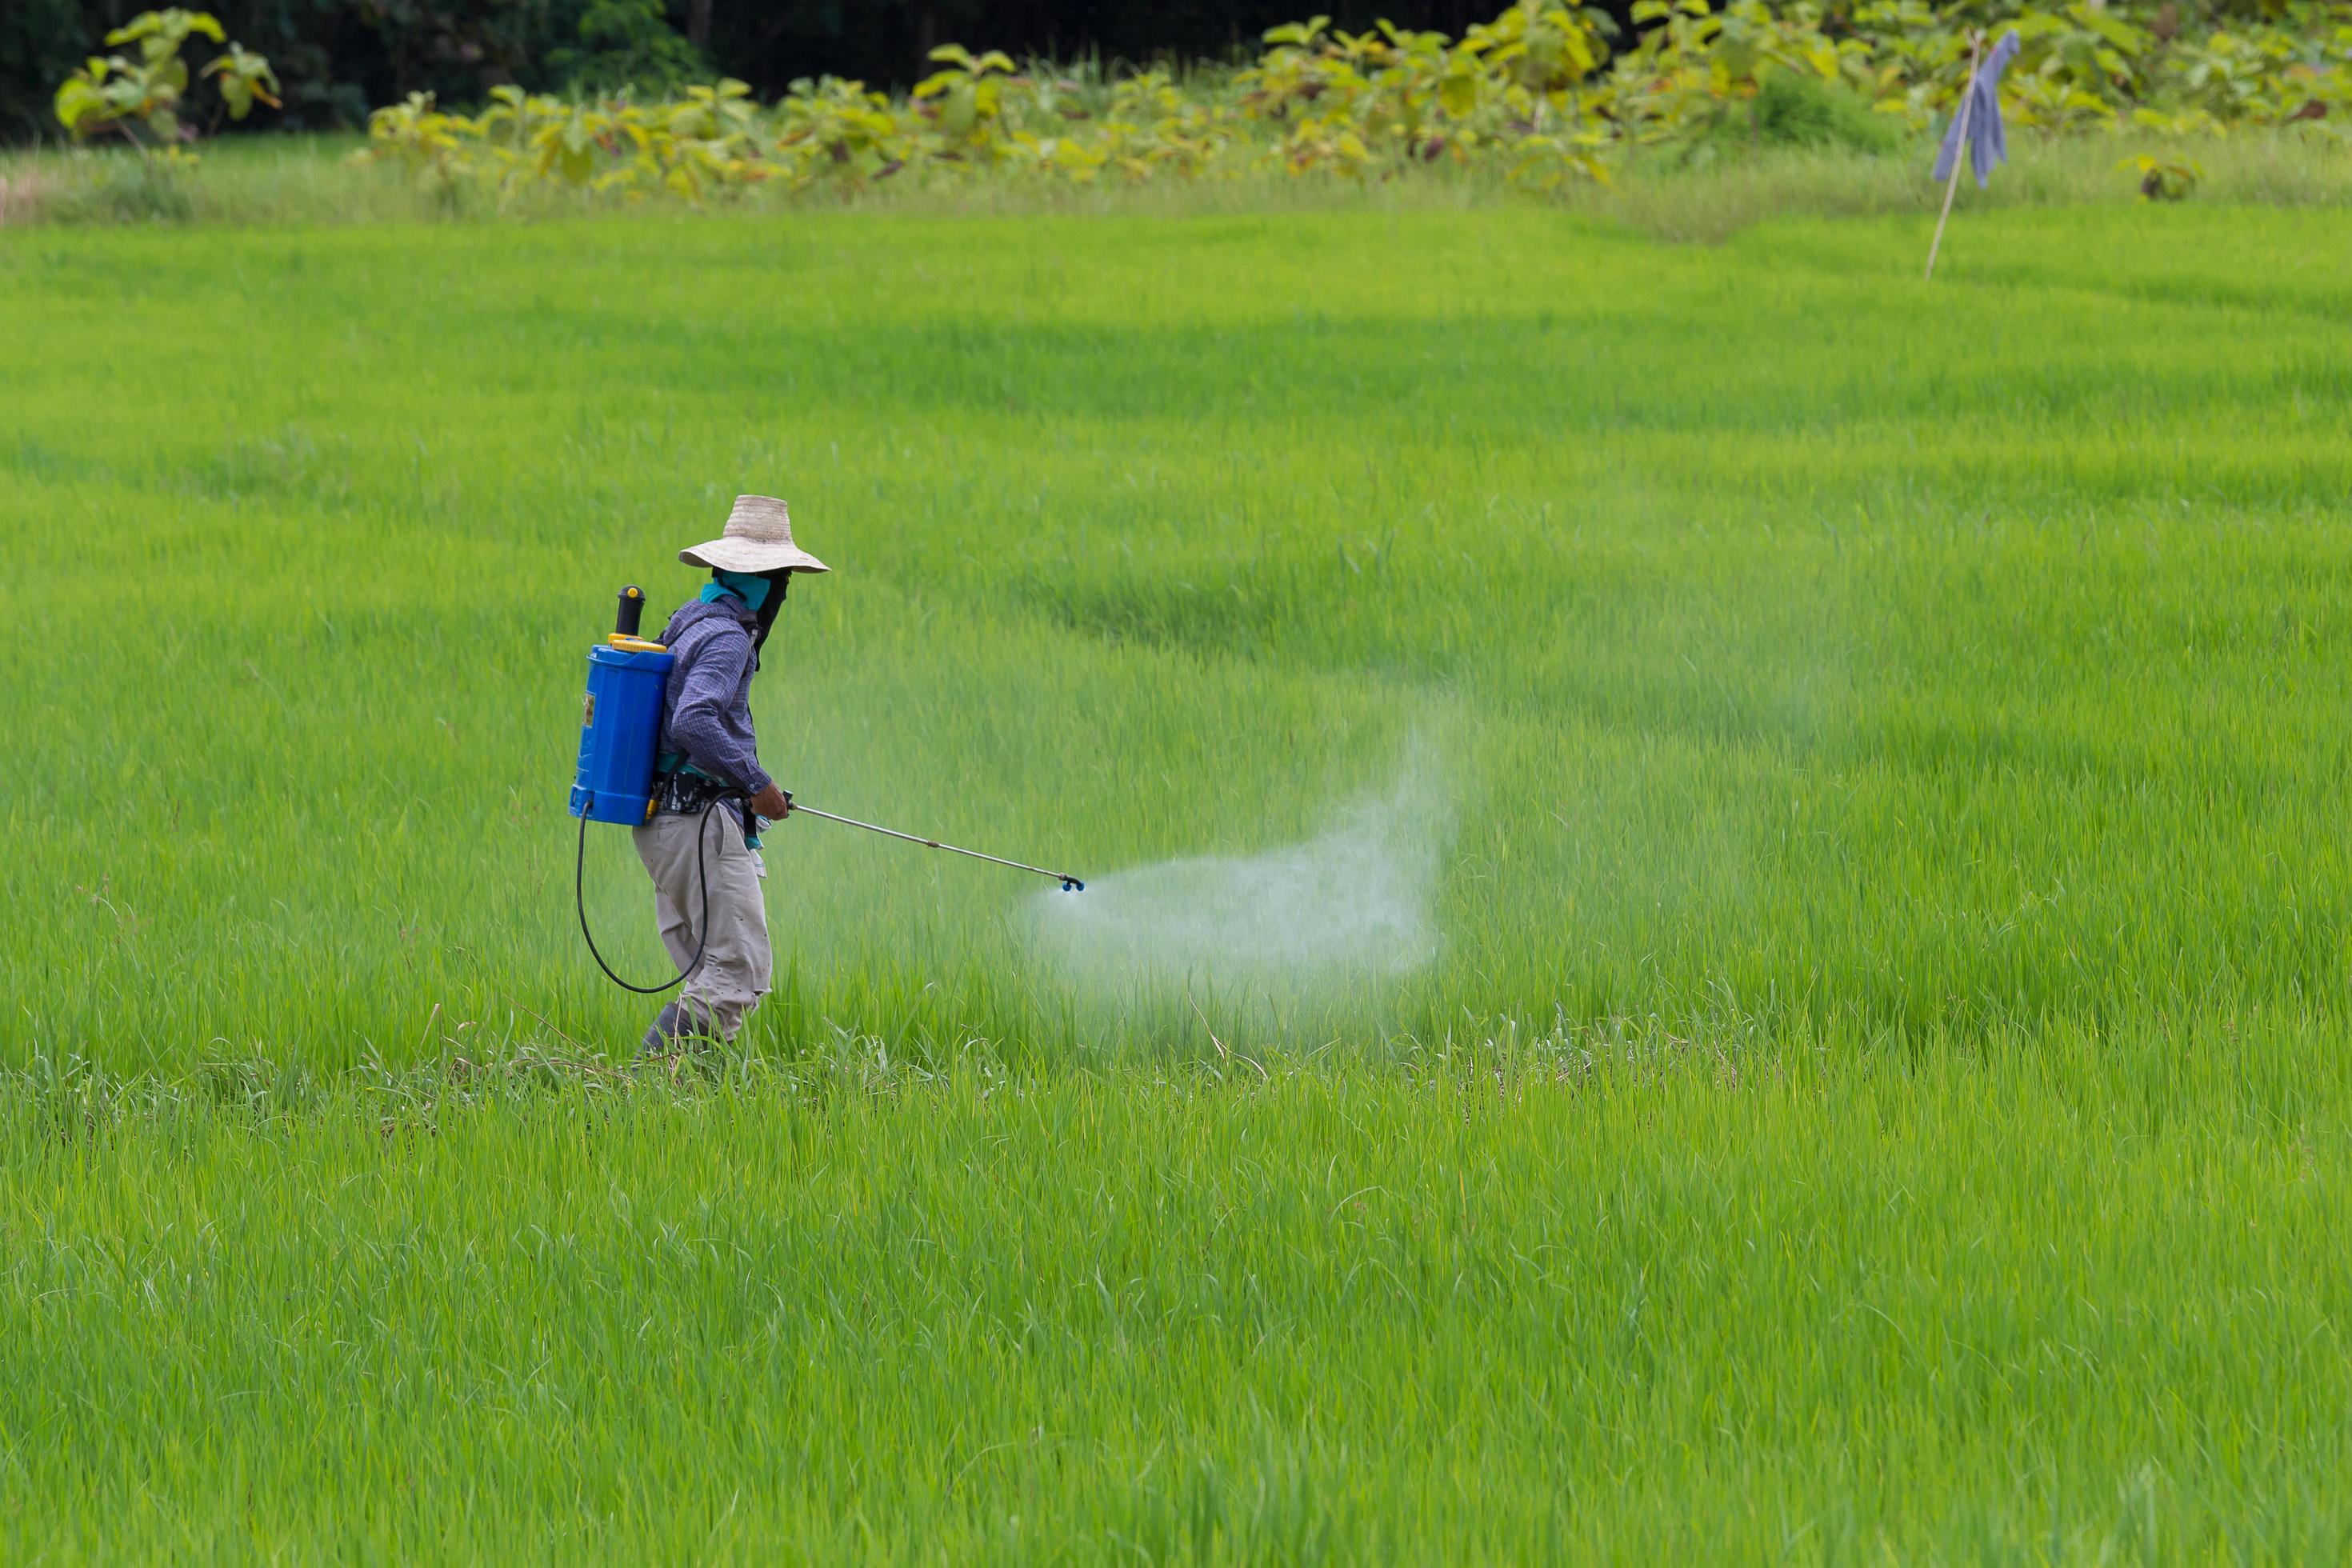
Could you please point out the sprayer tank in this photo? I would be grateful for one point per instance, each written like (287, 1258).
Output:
(620, 731)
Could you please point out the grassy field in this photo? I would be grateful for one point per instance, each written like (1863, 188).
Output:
(1669, 192)
(1716, 917)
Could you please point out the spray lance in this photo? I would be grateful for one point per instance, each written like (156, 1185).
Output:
(620, 737)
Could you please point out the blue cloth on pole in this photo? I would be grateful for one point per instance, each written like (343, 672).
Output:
(1988, 142)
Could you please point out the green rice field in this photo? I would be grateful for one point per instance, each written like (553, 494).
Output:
(1718, 920)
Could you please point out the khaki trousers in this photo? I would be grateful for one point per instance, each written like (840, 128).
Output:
(737, 963)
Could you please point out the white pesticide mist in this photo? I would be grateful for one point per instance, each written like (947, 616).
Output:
(1351, 903)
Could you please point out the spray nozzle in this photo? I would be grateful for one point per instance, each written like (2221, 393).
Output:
(1073, 884)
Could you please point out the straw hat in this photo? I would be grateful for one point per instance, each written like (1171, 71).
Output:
(759, 538)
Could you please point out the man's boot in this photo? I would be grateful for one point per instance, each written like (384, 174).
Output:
(681, 1025)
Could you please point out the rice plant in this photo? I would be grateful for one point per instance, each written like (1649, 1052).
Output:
(1846, 1065)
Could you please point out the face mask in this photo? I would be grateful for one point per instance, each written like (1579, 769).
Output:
(752, 591)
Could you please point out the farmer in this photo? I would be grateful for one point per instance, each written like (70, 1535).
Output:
(708, 753)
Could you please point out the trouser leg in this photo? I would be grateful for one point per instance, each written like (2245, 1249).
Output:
(677, 927)
(737, 963)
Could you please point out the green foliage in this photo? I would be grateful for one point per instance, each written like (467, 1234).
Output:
(695, 147)
(1801, 109)
(2088, 63)
(627, 45)
(964, 102)
(1546, 95)
(117, 94)
(243, 78)
(839, 133)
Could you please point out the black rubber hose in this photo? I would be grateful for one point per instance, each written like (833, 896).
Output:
(701, 877)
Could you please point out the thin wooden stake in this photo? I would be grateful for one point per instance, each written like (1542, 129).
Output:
(1960, 148)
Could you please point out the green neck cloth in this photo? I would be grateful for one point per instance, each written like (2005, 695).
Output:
(752, 591)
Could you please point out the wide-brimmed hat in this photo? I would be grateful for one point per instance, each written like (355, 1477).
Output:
(759, 538)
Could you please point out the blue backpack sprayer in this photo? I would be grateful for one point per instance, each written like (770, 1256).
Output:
(620, 739)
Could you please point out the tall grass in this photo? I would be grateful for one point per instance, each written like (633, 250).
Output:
(2061, 1299)
(1876, 1094)
(1702, 191)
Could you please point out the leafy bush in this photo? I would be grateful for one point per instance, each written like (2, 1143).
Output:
(619, 45)
(708, 140)
(146, 95)
(1548, 93)
(115, 93)
(1793, 110)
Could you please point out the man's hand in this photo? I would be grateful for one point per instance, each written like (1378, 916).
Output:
(773, 804)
